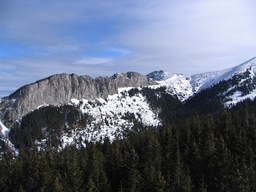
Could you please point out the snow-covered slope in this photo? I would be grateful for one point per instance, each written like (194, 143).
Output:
(241, 82)
(204, 80)
(179, 85)
(212, 78)
(4, 130)
(176, 84)
(185, 87)
(5, 143)
(244, 87)
(112, 116)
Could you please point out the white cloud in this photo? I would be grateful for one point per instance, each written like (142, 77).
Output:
(195, 36)
(93, 61)
(177, 36)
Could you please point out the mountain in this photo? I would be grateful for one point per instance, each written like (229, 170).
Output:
(231, 86)
(82, 121)
(184, 86)
(67, 109)
(61, 88)
(134, 138)
(187, 86)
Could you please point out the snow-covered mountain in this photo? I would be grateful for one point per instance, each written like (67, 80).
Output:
(90, 120)
(185, 87)
(114, 104)
(178, 85)
(206, 80)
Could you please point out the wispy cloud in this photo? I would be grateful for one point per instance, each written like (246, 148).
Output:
(98, 37)
(93, 61)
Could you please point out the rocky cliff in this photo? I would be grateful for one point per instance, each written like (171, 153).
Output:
(61, 88)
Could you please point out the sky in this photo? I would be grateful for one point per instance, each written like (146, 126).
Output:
(39, 38)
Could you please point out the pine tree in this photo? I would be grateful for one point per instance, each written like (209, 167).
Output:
(57, 185)
(90, 187)
(21, 189)
(203, 186)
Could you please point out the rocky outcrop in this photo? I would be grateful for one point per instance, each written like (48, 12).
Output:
(61, 88)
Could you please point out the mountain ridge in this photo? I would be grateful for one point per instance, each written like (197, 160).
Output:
(108, 106)
(186, 86)
(61, 88)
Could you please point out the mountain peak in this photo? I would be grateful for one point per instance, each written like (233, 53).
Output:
(158, 75)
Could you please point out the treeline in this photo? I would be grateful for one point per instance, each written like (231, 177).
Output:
(200, 153)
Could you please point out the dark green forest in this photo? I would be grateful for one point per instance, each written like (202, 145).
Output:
(200, 152)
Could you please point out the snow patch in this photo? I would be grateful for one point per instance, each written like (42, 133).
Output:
(111, 116)
(44, 105)
(178, 85)
(4, 136)
(237, 97)
(75, 101)
(4, 130)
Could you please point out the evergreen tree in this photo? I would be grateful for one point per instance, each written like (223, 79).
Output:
(91, 186)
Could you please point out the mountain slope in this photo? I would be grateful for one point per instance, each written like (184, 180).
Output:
(184, 87)
(179, 85)
(82, 121)
(215, 77)
(234, 86)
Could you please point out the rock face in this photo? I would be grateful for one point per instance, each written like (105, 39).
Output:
(61, 88)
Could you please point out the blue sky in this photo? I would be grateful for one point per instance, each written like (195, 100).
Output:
(100, 37)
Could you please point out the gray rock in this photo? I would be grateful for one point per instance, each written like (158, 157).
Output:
(61, 88)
